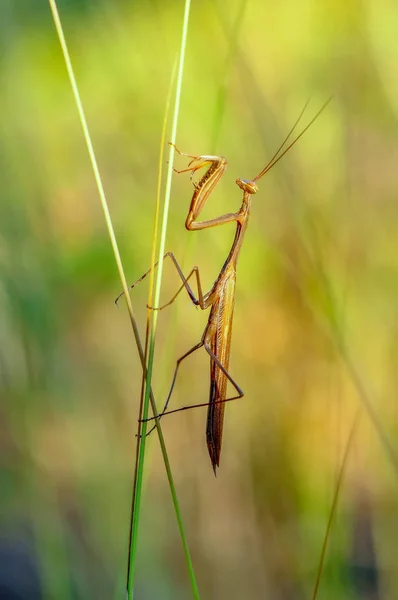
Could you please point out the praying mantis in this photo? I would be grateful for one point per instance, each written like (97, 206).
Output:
(216, 338)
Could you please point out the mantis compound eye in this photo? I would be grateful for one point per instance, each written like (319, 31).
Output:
(247, 186)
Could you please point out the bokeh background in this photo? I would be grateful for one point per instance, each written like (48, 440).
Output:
(316, 321)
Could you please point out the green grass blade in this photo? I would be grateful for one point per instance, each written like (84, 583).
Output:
(101, 191)
(134, 529)
(151, 352)
(147, 373)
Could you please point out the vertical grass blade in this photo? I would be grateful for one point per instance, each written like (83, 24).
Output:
(335, 502)
(133, 528)
(147, 372)
(151, 352)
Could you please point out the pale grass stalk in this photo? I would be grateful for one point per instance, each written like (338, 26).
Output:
(147, 372)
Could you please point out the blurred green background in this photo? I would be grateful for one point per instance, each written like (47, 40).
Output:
(317, 290)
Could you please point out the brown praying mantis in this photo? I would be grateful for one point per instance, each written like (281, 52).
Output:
(216, 338)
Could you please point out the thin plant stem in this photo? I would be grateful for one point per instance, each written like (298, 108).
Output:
(148, 323)
(151, 352)
(147, 374)
(133, 530)
(336, 495)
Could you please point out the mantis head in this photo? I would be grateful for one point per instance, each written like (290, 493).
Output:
(247, 186)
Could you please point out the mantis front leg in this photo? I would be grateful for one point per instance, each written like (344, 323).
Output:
(203, 188)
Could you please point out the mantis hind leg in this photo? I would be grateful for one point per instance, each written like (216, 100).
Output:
(179, 361)
(221, 367)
